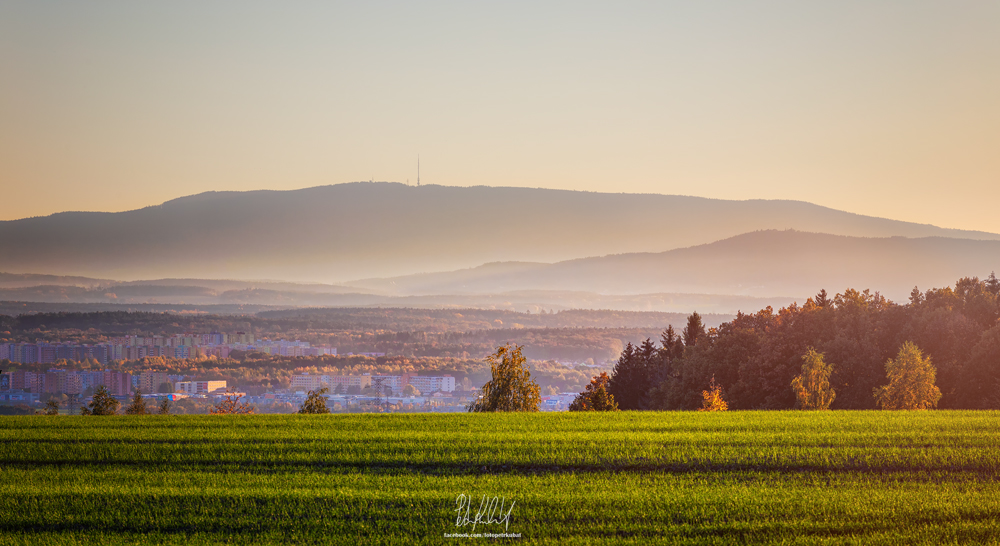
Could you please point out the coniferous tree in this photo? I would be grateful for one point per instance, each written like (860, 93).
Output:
(102, 403)
(812, 386)
(993, 284)
(52, 407)
(694, 330)
(630, 380)
(165, 407)
(822, 299)
(673, 345)
(138, 405)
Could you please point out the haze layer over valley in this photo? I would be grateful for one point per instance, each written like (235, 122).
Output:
(393, 245)
(333, 234)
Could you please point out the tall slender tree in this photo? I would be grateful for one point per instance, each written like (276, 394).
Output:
(694, 330)
(138, 405)
(673, 345)
(812, 386)
(993, 284)
(629, 382)
(822, 299)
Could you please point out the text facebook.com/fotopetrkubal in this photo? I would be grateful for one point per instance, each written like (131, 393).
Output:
(482, 535)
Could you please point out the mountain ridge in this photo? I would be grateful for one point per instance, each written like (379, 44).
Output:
(763, 263)
(331, 234)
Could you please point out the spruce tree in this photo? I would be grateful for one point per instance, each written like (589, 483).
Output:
(138, 405)
(694, 330)
(630, 380)
(822, 299)
(102, 403)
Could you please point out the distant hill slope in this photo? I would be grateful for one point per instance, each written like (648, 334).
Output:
(528, 300)
(350, 231)
(763, 263)
(19, 280)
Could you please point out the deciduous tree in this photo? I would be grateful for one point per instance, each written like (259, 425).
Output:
(511, 387)
(315, 402)
(911, 381)
(410, 390)
(712, 398)
(231, 405)
(595, 397)
(812, 386)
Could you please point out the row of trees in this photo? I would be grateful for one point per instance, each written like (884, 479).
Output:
(103, 403)
(855, 350)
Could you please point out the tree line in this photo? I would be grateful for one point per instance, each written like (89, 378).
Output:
(846, 347)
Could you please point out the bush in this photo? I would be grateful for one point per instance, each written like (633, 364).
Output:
(315, 403)
(595, 397)
(712, 398)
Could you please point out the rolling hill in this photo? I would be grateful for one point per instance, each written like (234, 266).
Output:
(763, 263)
(350, 231)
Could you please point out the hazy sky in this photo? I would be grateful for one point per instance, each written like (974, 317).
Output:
(883, 108)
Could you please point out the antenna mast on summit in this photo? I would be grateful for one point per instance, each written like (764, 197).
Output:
(418, 169)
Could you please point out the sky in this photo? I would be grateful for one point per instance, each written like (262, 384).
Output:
(888, 109)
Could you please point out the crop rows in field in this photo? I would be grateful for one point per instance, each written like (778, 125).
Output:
(624, 477)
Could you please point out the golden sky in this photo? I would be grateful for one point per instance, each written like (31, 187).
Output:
(883, 108)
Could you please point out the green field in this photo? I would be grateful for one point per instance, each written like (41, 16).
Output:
(736, 477)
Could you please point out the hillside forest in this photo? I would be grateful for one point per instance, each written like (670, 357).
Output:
(755, 357)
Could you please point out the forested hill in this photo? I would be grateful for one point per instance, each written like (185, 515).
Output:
(789, 263)
(350, 231)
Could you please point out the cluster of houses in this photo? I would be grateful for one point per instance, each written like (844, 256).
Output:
(136, 347)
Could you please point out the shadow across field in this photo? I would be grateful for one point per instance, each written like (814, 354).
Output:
(932, 474)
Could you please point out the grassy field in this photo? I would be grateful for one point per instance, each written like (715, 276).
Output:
(631, 478)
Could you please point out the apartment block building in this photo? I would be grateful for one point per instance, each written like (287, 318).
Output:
(307, 382)
(199, 387)
(149, 382)
(340, 383)
(428, 384)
